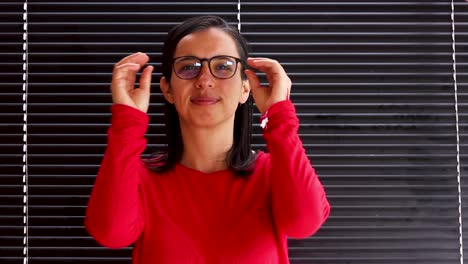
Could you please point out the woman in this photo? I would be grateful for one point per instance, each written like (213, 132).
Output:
(210, 198)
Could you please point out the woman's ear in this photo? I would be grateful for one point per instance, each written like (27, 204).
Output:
(166, 89)
(245, 91)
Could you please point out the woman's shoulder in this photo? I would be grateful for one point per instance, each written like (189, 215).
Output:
(262, 161)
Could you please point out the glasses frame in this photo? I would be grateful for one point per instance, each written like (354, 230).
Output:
(238, 60)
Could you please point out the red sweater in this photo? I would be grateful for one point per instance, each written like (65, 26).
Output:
(187, 216)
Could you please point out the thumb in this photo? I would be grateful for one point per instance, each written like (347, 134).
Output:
(142, 94)
(253, 79)
(145, 79)
(259, 93)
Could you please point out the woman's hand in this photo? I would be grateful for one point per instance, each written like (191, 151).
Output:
(123, 82)
(280, 84)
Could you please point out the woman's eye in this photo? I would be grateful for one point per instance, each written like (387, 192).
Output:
(189, 68)
(224, 67)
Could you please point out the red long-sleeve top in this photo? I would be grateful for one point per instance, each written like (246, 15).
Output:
(188, 216)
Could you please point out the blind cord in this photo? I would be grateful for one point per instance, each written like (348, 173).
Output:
(454, 60)
(25, 134)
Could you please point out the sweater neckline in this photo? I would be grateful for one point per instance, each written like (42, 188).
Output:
(181, 167)
(195, 171)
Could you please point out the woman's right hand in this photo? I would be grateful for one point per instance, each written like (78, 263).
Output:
(123, 82)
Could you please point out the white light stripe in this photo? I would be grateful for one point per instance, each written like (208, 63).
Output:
(239, 16)
(25, 134)
(455, 88)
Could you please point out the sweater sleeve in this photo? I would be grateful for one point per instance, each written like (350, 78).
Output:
(299, 202)
(114, 214)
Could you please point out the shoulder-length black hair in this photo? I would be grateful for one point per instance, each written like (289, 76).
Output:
(240, 158)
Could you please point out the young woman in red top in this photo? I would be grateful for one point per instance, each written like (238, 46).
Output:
(209, 198)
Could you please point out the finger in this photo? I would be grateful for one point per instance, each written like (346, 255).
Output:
(253, 79)
(126, 59)
(124, 76)
(276, 75)
(267, 66)
(128, 64)
(145, 79)
(129, 56)
(274, 71)
(138, 58)
(271, 68)
(258, 58)
(126, 70)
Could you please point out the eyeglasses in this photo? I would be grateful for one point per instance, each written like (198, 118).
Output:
(221, 67)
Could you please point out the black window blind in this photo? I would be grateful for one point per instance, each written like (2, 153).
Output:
(373, 84)
(11, 135)
(461, 42)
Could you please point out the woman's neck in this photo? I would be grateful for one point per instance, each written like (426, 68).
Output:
(205, 149)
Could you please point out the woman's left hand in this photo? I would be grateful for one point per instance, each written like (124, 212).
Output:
(279, 87)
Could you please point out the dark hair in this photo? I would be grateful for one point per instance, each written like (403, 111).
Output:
(240, 158)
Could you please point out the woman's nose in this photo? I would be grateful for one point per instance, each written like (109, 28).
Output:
(205, 78)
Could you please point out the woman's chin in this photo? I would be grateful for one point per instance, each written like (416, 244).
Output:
(206, 119)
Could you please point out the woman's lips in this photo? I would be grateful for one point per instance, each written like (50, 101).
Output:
(204, 100)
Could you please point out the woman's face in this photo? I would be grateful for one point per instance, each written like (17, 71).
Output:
(206, 101)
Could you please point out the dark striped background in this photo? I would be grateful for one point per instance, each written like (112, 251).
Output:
(373, 86)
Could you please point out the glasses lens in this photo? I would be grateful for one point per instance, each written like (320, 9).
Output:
(223, 67)
(187, 67)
